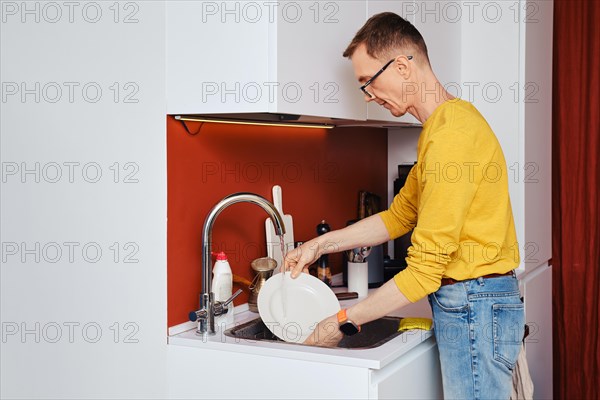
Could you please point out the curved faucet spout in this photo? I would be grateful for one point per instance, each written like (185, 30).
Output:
(206, 299)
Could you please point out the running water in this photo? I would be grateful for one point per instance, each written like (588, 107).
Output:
(283, 279)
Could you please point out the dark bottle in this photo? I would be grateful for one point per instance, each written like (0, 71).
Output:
(323, 270)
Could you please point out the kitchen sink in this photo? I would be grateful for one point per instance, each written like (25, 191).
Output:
(372, 334)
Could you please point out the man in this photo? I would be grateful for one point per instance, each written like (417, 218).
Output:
(464, 246)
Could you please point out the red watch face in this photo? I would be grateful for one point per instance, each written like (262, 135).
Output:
(348, 329)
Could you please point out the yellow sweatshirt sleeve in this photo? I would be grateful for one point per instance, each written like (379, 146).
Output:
(448, 186)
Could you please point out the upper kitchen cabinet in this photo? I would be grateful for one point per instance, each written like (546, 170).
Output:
(440, 25)
(309, 55)
(280, 57)
(506, 56)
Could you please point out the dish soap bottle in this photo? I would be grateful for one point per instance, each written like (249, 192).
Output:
(222, 286)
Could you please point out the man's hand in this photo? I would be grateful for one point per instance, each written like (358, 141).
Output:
(369, 231)
(326, 334)
(299, 259)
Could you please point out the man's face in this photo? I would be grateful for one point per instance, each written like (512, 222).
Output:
(387, 87)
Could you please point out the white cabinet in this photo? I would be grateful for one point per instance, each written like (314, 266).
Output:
(441, 30)
(243, 57)
(537, 292)
(82, 121)
(404, 9)
(417, 375)
(440, 26)
(248, 57)
(309, 55)
(506, 66)
(498, 55)
(196, 372)
(536, 129)
(214, 58)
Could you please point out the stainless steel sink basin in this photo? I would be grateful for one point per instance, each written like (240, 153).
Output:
(372, 334)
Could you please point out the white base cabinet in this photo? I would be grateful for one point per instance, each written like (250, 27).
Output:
(196, 373)
(416, 375)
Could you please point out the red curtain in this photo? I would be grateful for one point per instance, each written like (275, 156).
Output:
(576, 183)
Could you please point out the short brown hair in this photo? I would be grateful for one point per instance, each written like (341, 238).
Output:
(385, 33)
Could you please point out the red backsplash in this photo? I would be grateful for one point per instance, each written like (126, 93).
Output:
(320, 172)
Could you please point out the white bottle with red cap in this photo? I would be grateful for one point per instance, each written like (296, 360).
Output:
(222, 287)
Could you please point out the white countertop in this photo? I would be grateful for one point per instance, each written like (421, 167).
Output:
(374, 358)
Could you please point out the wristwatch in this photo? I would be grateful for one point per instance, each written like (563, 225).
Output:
(347, 327)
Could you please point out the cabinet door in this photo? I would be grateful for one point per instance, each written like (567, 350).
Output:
(217, 57)
(415, 375)
(198, 373)
(537, 290)
(313, 76)
(440, 24)
(490, 80)
(536, 19)
(406, 9)
(490, 70)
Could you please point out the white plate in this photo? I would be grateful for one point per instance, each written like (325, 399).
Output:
(307, 301)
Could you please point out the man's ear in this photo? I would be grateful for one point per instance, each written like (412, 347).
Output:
(403, 66)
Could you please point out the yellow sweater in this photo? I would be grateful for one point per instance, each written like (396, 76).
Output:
(456, 199)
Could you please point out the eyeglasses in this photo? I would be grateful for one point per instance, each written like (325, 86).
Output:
(363, 88)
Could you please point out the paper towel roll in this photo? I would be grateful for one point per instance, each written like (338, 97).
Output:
(358, 278)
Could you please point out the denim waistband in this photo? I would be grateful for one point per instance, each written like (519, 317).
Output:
(451, 281)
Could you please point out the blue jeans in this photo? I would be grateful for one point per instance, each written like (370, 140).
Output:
(478, 325)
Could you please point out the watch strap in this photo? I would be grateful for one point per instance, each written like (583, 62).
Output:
(342, 317)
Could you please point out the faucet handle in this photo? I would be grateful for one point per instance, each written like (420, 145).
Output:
(196, 315)
(221, 307)
(233, 296)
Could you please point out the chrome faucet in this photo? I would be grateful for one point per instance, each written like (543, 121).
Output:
(208, 307)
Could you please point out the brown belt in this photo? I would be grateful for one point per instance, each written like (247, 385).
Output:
(450, 281)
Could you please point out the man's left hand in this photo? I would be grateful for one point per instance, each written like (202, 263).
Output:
(326, 334)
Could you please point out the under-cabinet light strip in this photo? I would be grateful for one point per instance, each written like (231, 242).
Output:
(257, 123)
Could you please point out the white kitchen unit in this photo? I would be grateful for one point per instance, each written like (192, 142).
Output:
(535, 130)
(251, 57)
(500, 53)
(441, 30)
(505, 52)
(83, 298)
(506, 61)
(279, 57)
(402, 8)
(224, 367)
(536, 288)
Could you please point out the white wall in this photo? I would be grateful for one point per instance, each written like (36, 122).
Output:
(83, 324)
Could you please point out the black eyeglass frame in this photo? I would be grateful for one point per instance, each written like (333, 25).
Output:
(363, 88)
